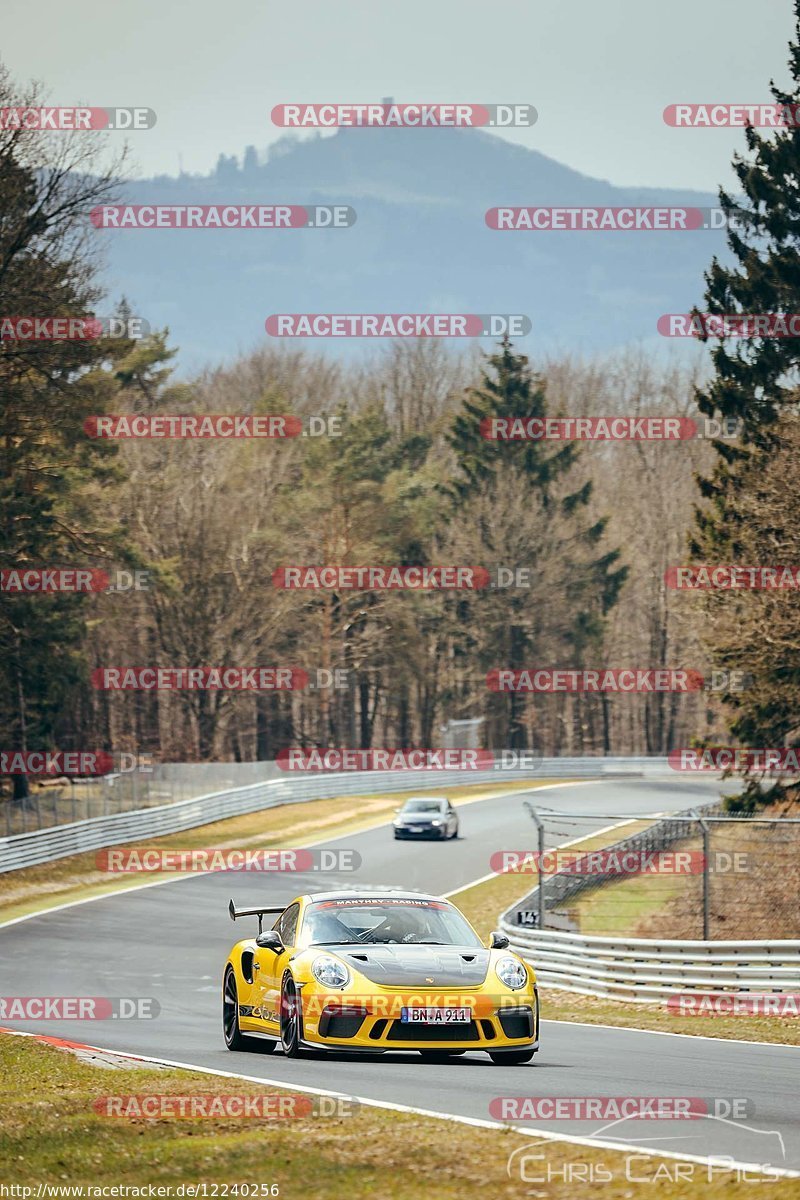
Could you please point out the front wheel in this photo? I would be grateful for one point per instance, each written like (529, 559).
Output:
(511, 1058)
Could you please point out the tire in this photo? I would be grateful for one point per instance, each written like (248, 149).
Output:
(291, 1019)
(439, 1055)
(230, 1013)
(234, 1038)
(511, 1058)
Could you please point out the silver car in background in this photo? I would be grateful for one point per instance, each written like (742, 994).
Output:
(426, 816)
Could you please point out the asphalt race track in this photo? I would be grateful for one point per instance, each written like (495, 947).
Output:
(170, 942)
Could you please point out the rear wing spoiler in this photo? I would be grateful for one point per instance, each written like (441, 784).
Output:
(260, 911)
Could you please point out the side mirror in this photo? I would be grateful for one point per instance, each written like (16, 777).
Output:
(498, 941)
(270, 940)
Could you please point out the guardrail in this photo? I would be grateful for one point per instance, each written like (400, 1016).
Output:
(643, 970)
(95, 833)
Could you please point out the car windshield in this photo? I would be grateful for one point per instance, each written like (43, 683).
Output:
(424, 806)
(382, 921)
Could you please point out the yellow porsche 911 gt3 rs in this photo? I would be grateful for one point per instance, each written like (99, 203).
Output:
(374, 971)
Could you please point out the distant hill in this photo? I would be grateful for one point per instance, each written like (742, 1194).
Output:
(420, 244)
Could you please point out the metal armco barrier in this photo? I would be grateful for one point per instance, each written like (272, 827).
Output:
(46, 845)
(643, 970)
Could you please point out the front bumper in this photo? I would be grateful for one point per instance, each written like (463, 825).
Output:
(511, 1026)
(419, 831)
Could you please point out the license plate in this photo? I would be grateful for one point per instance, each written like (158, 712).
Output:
(435, 1016)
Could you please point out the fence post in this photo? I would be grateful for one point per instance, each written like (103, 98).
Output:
(706, 882)
(540, 864)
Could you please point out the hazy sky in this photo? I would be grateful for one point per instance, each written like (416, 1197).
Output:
(599, 72)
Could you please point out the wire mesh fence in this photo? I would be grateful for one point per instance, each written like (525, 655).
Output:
(65, 801)
(701, 873)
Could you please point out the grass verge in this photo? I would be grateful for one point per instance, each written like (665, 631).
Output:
(619, 907)
(50, 1133)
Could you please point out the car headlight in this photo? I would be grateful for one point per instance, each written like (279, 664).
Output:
(511, 972)
(330, 972)
(437, 822)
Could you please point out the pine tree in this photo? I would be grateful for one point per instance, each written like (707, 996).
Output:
(509, 390)
(755, 379)
(527, 511)
(49, 469)
(755, 383)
